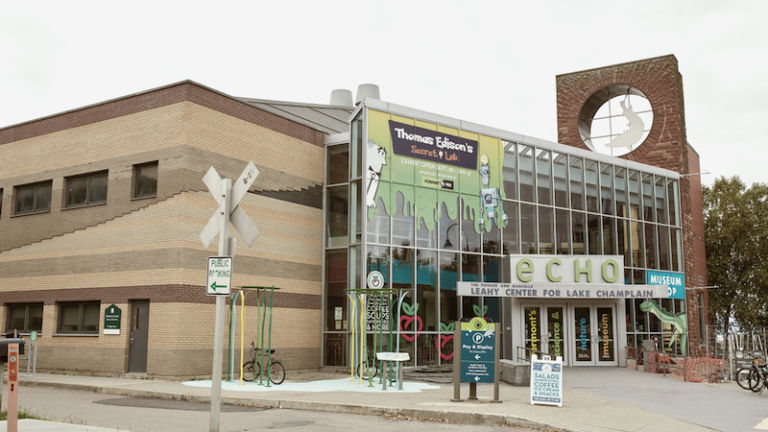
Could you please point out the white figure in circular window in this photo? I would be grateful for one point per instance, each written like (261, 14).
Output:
(615, 120)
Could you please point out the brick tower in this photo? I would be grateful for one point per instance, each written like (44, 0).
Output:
(581, 94)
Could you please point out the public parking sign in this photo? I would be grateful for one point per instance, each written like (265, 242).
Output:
(478, 357)
(219, 280)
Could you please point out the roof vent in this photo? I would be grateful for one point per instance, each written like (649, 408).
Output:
(341, 97)
(367, 90)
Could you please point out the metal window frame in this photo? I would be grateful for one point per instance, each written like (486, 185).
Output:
(88, 188)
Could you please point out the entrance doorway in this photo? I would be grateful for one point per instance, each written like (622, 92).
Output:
(583, 334)
(594, 335)
(137, 349)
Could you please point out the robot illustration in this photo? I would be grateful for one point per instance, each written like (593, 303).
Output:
(490, 198)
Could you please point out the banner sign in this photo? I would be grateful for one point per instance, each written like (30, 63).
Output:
(432, 168)
(433, 146)
(675, 282)
(377, 313)
(571, 291)
(546, 381)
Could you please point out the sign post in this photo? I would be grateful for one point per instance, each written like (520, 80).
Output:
(13, 387)
(228, 197)
(476, 358)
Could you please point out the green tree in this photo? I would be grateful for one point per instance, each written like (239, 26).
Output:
(736, 236)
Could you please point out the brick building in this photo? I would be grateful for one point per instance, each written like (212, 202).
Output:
(103, 205)
(117, 204)
(666, 146)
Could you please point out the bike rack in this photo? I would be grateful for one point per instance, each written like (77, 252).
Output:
(358, 324)
(263, 309)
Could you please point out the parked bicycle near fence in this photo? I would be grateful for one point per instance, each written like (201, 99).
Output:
(252, 368)
(753, 376)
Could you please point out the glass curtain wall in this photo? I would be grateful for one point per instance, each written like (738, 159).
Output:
(555, 203)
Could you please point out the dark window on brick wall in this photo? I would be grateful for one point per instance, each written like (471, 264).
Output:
(145, 180)
(33, 198)
(86, 189)
(24, 317)
(79, 317)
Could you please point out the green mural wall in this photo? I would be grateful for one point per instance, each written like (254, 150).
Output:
(431, 165)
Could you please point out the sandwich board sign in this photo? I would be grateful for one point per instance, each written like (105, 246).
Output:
(219, 280)
(546, 381)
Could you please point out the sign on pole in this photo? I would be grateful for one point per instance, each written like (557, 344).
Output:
(219, 275)
(219, 280)
(478, 357)
(546, 381)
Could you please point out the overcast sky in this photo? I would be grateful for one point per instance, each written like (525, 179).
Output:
(492, 63)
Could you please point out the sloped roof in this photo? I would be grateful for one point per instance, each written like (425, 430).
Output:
(330, 119)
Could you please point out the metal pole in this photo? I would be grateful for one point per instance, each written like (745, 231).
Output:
(362, 334)
(242, 332)
(231, 338)
(457, 362)
(263, 323)
(218, 339)
(269, 340)
(351, 326)
(496, 363)
(397, 349)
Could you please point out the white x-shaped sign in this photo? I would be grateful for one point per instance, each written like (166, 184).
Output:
(237, 216)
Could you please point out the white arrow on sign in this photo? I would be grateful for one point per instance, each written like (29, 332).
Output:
(477, 356)
(237, 216)
(477, 378)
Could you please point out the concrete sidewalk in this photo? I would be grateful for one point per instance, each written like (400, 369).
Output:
(582, 410)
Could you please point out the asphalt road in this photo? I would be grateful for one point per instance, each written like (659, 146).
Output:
(151, 415)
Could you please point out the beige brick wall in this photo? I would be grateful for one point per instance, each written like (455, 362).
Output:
(185, 138)
(81, 253)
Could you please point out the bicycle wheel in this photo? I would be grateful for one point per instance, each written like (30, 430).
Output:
(744, 378)
(756, 381)
(374, 367)
(276, 373)
(251, 370)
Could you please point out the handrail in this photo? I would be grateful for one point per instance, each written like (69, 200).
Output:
(526, 351)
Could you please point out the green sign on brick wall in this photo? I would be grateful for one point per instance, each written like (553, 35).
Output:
(112, 316)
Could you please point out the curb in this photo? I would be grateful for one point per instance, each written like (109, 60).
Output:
(439, 416)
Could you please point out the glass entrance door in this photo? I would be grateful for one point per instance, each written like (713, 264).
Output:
(594, 335)
(606, 335)
(544, 330)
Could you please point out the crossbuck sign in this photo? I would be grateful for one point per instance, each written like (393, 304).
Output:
(236, 215)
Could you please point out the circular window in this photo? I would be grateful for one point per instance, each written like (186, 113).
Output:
(615, 120)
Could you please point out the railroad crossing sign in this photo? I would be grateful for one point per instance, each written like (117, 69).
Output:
(219, 280)
(236, 215)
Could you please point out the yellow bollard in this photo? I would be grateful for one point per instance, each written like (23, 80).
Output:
(242, 332)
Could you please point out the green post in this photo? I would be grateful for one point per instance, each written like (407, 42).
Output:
(381, 335)
(269, 339)
(231, 332)
(263, 322)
